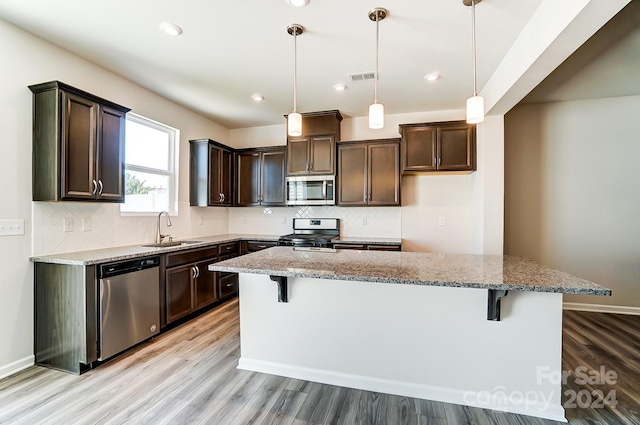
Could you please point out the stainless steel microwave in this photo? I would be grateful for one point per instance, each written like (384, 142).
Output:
(311, 190)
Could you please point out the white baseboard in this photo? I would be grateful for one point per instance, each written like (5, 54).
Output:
(16, 366)
(601, 308)
(406, 389)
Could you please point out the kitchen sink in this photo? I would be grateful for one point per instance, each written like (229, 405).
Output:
(171, 243)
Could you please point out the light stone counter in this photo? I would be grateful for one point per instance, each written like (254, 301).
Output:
(107, 255)
(414, 268)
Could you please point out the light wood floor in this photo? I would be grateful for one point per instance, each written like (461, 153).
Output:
(189, 376)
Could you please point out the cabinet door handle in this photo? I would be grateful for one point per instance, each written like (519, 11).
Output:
(197, 272)
(310, 166)
(223, 197)
(439, 161)
(193, 272)
(101, 187)
(95, 187)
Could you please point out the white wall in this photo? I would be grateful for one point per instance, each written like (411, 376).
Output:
(573, 193)
(471, 204)
(30, 60)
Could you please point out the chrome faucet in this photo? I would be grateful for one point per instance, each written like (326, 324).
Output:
(159, 236)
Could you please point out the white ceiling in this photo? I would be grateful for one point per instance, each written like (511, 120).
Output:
(231, 49)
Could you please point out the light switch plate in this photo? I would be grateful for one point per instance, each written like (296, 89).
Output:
(11, 227)
(86, 224)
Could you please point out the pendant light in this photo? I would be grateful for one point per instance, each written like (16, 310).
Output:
(475, 104)
(376, 110)
(294, 119)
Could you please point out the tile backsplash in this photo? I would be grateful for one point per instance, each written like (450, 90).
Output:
(98, 226)
(382, 222)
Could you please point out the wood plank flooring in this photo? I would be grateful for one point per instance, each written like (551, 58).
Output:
(189, 376)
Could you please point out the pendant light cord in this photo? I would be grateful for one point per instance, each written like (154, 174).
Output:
(375, 86)
(473, 38)
(295, 70)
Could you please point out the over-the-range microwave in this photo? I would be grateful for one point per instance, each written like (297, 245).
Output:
(310, 190)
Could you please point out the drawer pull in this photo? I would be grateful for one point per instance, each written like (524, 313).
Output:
(262, 246)
(229, 285)
(228, 248)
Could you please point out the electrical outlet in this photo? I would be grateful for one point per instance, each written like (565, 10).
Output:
(67, 224)
(364, 221)
(11, 227)
(442, 221)
(86, 224)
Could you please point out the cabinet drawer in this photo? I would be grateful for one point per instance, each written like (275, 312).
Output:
(227, 284)
(253, 246)
(192, 256)
(347, 246)
(384, 247)
(228, 250)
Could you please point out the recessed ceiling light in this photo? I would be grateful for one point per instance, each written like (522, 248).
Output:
(298, 3)
(340, 87)
(257, 97)
(170, 29)
(432, 76)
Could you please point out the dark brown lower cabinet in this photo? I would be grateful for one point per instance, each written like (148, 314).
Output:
(370, 247)
(228, 284)
(254, 246)
(189, 285)
(369, 173)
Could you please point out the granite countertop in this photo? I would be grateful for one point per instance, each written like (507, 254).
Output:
(107, 255)
(414, 268)
(362, 240)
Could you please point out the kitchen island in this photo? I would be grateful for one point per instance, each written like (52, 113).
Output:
(477, 330)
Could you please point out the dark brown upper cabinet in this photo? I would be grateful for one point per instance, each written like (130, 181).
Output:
(440, 146)
(210, 174)
(260, 177)
(78, 145)
(314, 151)
(369, 173)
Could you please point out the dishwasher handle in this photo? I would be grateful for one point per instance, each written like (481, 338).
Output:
(122, 267)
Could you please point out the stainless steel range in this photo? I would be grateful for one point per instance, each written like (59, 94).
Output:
(312, 232)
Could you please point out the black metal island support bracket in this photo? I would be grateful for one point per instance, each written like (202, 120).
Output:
(283, 288)
(493, 303)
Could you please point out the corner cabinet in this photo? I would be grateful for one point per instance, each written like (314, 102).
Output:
(210, 174)
(441, 146)
(78, 145)
(260, 177)
(313, 152)
(369, 173)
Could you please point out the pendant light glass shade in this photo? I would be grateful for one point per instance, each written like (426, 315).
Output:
(475, 109)
(376, 110)
(376, 116)
(294, 119)
(475, 104)
(294, 124)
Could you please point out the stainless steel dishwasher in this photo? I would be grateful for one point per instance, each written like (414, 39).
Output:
(129, 304)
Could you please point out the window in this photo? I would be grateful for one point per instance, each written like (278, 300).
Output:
(151, 167)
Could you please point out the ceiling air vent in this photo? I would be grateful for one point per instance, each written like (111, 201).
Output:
(362, 76)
